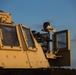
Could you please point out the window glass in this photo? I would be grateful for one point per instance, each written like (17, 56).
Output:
(9, 36)
(29, 38)
(61, 40)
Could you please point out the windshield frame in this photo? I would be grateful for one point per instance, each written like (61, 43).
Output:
(26, 38)
(4, 47)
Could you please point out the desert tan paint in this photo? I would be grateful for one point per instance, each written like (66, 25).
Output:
(22, 56)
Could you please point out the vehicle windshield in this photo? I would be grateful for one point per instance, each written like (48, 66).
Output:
(9, 36)
(30, 41)
(61, 40)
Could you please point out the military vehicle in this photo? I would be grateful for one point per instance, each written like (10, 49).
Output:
(23, 48)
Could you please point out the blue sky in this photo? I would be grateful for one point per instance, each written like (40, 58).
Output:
(33, 13)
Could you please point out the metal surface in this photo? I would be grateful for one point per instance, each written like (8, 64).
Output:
(22, 48)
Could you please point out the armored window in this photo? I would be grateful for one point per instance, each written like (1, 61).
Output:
(61, 40)
(9, 36)
(29, 40)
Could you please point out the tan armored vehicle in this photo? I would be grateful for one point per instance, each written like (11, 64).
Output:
(22, 48)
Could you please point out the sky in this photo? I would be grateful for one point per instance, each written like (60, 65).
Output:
(33, 13)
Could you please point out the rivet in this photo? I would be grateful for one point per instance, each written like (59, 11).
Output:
(2, 46)
(40, 61)
(26, 61)
(7, 56)
(11, 46)
(2, 63)
(14, 56)
(20, 47)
